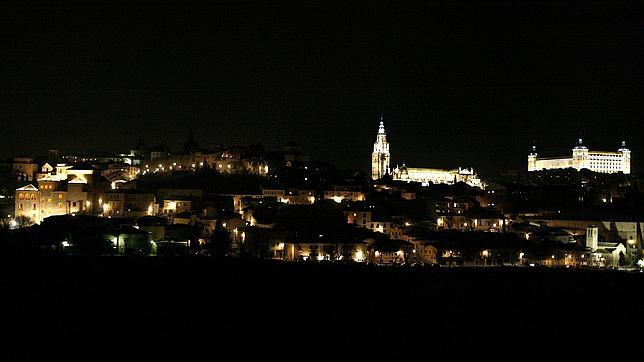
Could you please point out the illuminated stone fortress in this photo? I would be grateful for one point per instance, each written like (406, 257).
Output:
(380, 159)
(582, 157)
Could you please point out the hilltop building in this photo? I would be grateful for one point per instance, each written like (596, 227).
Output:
(60, 191)
(582, 157)
(380, 160)
(380, 156)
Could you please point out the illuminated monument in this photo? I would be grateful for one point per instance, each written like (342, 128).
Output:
(597, 161)
(437, 176)
(380, 155)
(380, 167)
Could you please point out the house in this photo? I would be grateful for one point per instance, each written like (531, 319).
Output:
(389, 252)
(129, 240)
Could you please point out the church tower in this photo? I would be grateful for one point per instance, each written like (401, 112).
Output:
(380, 155)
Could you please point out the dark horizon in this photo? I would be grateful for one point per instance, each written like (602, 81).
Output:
(459, 84)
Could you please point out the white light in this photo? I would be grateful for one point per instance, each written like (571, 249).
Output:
(359, 256)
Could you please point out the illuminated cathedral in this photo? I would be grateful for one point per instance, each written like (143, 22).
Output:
(380, 159)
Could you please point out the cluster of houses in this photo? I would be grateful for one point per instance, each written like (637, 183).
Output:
(298, 211)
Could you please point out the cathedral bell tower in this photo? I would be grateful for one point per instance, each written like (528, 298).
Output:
(380, 155)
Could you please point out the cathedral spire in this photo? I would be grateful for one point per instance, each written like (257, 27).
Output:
(380, 156)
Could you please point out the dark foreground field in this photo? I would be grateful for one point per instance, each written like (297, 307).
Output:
(200, 309)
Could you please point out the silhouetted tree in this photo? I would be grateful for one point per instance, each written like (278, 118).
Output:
(91, 241)
(219, 243)
(23, 221)
(622, 259)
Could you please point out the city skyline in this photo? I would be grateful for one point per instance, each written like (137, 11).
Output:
(447, 163)
(289, 179)
(461, 83)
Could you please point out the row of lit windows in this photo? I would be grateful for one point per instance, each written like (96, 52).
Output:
(20, 207)
(32, 196)
(599, 157)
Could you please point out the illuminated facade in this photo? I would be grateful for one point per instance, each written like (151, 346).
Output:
(437, 176)
(52, 198)
(171, 207)
(65, 191)
(380, 159)
(582, 157)
(380, 156)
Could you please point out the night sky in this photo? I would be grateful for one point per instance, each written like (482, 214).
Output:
(458, 82)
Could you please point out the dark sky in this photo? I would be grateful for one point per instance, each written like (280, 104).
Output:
(459, 82)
